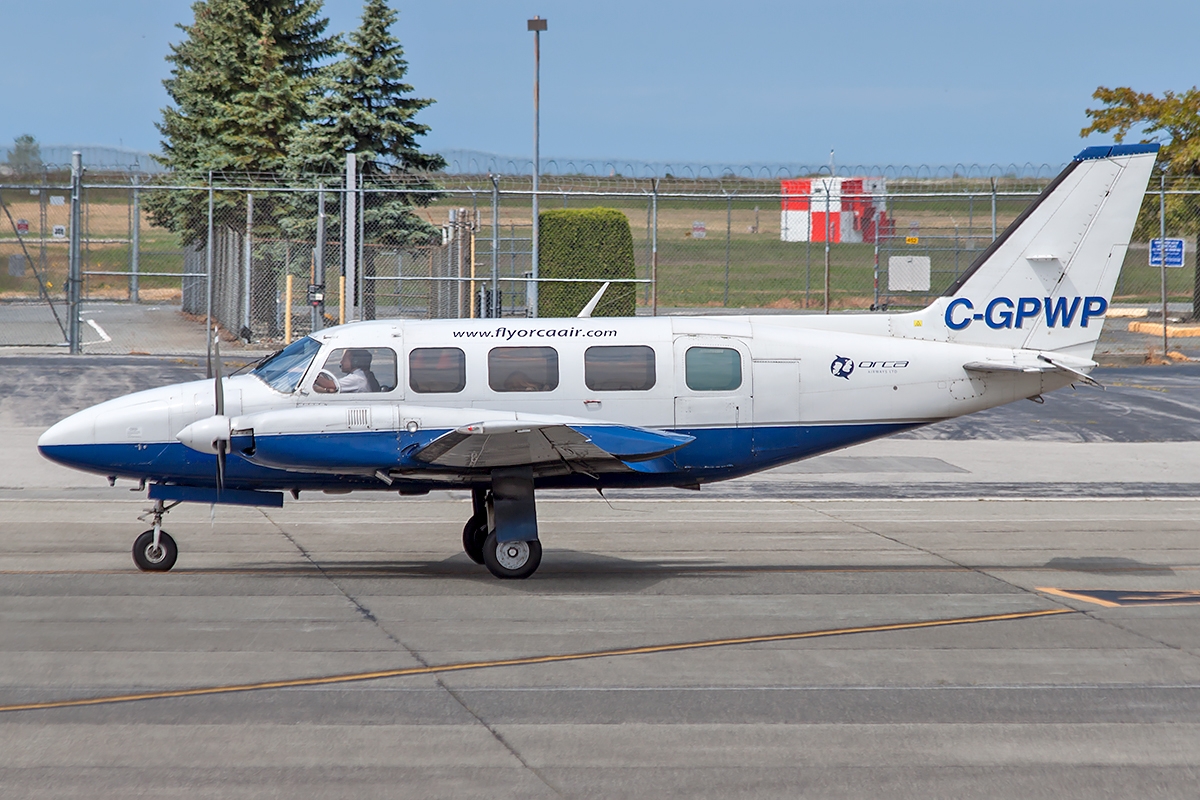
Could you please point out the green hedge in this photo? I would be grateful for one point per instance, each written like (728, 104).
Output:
(585, 243)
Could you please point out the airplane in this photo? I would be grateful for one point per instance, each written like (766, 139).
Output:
(505, 407)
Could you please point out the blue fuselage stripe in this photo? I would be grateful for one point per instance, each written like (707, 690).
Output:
(716, 454)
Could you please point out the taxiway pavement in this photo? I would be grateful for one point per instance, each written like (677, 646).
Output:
(866, 624)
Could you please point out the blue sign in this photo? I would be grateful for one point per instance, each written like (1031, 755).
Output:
(1174, 252)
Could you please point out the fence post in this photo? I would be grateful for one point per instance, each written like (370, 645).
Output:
(993, 209)
(828, 188)
(75, 276)
(318, 309)
(134, 246)
(349, 250)
(654, 251)
(1162, 250)
(728, 234)
(494, 310)
(208, 264)
(247, 283)
(1196, 279)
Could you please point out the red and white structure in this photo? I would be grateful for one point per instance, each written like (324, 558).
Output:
(834, 209)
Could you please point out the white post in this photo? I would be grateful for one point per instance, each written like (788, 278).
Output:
(349, 246)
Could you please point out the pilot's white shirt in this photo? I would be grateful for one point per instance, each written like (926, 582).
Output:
(356, 381)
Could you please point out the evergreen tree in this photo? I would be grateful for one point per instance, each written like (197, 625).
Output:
(239, 88)
(367, 109)
(25, 157)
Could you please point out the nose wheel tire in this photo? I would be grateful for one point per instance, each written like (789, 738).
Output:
(474, 535)
(154, 559)
(511, 560)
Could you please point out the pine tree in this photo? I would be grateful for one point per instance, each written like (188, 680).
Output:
(368, 109)
(239, 88)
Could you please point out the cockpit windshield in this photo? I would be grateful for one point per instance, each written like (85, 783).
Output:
(283, 371)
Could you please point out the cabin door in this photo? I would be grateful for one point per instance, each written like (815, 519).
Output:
(713, 383)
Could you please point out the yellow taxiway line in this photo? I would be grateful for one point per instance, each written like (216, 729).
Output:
(527, 660)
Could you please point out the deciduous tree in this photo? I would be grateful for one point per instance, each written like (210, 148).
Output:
(1173, 120)
(25, 156)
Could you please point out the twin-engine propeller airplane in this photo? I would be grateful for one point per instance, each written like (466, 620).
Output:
(506, 406)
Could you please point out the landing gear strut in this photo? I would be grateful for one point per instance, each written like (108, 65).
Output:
(476, 529)
(502, 532)
(154, 550)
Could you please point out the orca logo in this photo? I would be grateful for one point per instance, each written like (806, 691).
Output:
(842, 367)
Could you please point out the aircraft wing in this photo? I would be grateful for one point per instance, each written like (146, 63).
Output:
(1042, 363)
(363, 440)
(504, 443)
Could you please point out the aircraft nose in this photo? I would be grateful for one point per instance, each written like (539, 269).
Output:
(79, 428)
(65, 441)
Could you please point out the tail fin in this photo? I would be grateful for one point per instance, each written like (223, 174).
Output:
(1046, 282)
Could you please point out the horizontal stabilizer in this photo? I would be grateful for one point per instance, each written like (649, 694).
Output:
(1042, 364)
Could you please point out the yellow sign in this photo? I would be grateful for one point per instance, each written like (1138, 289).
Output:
(912, 239)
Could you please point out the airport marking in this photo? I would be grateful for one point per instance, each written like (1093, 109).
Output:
(1109, 598)
(103, 335)
(463, 666)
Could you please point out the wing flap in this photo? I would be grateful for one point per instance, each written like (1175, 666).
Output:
(507, 443)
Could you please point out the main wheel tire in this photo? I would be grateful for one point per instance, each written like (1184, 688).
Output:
(511, 560)
(151, 559)
(474, 535)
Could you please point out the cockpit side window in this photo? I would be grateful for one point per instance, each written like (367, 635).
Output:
(357, 370)
(283, 371)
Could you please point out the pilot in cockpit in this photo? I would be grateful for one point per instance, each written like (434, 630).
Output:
(356, 375)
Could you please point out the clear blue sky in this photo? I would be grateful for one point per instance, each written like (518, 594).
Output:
(720, 82)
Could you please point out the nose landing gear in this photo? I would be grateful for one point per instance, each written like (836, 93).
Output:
(154, 550)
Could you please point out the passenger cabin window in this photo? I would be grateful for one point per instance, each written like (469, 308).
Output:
(618, 369)
(523, 369)
(437, 369)
(713, 369)
(357, 370)
(284, 370)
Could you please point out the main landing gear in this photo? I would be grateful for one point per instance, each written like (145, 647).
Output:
(502, 532)
(155, 550)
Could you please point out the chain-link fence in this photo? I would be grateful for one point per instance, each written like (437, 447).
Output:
(269, 261)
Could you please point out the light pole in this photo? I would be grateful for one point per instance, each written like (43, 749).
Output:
(537, 25)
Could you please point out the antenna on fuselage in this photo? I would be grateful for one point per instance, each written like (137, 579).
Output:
(591, 304)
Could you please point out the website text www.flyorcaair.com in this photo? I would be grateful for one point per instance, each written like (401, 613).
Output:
(508, 334)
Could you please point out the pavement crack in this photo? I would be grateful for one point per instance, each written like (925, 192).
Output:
(370, 617)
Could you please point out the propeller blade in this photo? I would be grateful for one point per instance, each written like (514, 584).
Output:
(220, 390)
(222, 448)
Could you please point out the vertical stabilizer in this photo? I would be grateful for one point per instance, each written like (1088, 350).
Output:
(1046, 282)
